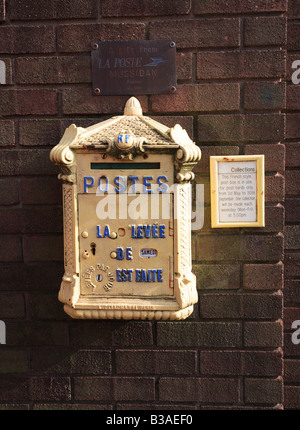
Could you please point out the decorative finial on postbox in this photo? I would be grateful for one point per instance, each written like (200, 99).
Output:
(133, 107)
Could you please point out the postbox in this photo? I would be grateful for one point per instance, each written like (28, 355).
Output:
(126, 214)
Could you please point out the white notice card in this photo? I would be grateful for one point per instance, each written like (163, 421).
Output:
(237, 189)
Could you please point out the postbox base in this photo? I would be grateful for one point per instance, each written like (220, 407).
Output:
(129, 314)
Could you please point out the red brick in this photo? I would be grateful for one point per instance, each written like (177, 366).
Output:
(8, 70)
(156, 362)
(207, 97)
(241, 128)
(44, 306)
(291, 371)
(291, 397)
(292, 292)
(274, 220)
(239, 248)
(52, 9)
(292, 125)
(53, 70)
(234, 363)
(27, 39)
(292, 68)
(292, 265)
(39, 132)
(264, 96)
(265, 31)
(82, 101)
(41, 191)
(70, 361)
(43, 248)
(290, 349)
(114, 333)
(78, 37)
(240, 64)
(13, 360)
(206, 334)
(263, 334)
(293, 9)
(238, 6)
(12, 305)
(274, 188)
(26, 162)
(205, 390)
(217, 276)
(292, 154)
(292, 237)
(47, 219)
(9, 193)
(7, 133)
(263, 276)
(28, 102)
(292, 181)
(186, 122)
(291, 314)
(145, 8)
(274, 155)
(246, 306)
(184, 64)
(2, 10)
(10, 248)
(264, 391)
(292, 97)
(114, 388)
(202, 33)
(292, 210)
(24, 277)
(37, 333)
(293, 36)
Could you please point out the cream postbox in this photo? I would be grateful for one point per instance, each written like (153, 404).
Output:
(127, 226)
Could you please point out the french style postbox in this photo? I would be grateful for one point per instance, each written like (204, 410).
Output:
(127, 224)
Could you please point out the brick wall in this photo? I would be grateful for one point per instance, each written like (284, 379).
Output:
(292, 218)
(231, 98)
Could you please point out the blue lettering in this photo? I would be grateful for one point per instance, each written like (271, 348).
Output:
(159, 275)
(100, 183)
(120, 253)
(119, 279)
(147, 184)
(86, 184)
(129, 253)
(98, 231)
(133, 232)
(140, 232)
(162, 230)
(121, 185)
(134, 179)
(163, 187)
(106, 231)
(137, 275)
(147, 229)
(155, 230)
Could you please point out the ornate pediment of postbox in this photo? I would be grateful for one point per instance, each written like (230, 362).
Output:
(127, 136)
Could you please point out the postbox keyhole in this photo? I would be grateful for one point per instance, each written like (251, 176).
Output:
(93, 248)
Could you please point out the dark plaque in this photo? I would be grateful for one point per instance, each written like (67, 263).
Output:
(134, 67)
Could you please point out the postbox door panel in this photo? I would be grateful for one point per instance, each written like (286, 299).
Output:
(130, 253)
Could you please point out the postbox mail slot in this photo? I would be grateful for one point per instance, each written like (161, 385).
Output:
(127, 226)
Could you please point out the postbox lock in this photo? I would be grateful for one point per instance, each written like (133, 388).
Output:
(126, 187)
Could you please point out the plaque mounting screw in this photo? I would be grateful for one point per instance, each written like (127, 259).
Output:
(172, 44)
(173, 89)
(95, 46)
(97, 91)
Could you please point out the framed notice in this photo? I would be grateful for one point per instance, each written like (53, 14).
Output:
(237, 191)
